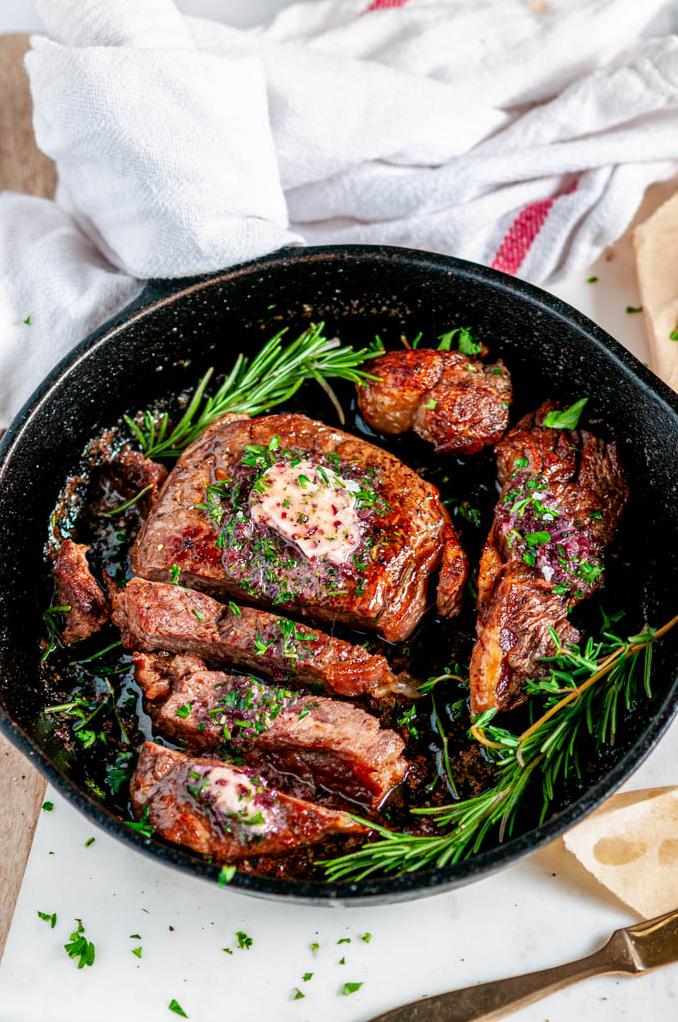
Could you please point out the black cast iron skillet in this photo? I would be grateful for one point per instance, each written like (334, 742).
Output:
(551, 350)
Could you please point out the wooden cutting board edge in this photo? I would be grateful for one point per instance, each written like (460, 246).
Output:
(23, 168)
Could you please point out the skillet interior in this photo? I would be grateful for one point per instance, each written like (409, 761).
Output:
(166, 340)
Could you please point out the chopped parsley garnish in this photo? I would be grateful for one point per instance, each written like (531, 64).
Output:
(344, 940)
(407, 719)
(297, 995)
(307, 976)
(260, 647)
(315, 946)
(234, 608)
(465, 342)
(200, 616)
(537, 538)
(366, 937)
(342, 961)
(79, 947)
(49, 917)
(47, 806)
(137, 951)
(141, 826)
(350, 988)
(184, 711)
(431, 404)
(520, 463)
(568, 418)
(27, 320)
(226, 874)
(176, 1008)
(88, 842)
(244, 942)
(175, 574)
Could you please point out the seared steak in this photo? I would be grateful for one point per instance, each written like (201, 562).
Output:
(457, 402)
(562, 497)
(225, 811)
(77, 588)
(157, 616)
(321, 741)
(130, 471)
(281, 510)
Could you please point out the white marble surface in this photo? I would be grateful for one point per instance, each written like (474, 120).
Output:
(540, 912)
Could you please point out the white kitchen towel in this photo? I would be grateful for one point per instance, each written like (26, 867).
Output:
(518, 133)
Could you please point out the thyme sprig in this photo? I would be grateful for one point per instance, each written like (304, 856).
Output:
(584, 692)
(255, 386)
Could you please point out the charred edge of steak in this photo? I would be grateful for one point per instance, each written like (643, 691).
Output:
(77, 588)
(227, 812)
(131, 471)
(321, 741)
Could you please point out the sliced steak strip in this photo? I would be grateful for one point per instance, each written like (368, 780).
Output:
(77, 588)
(224, 811)
(321, 741)
(157, 616)
(563, 493)
(283, 511)
(456, 402)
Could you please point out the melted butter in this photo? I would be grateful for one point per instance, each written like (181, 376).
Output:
(311, 507)
(233, 794)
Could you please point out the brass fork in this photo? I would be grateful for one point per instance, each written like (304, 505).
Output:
(631, 951)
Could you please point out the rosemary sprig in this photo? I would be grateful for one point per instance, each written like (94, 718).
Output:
(252, 387)
(583, 693)
(53, 633)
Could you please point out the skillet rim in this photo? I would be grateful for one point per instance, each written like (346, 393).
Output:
(155, 296)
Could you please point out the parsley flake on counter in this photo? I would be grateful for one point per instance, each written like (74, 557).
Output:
(366, 937)
(79, 947)
(89, 841)
(344, 940)
(350, 988)
(226, 874)
(137, 951)
(315, 947)
(673, 336)
(27, 321)
(49, 917)
(244, 942)
(342, 961)
(591, 280)
(634, 308)
(297, 994)
(307, 976)
(47, 806)
(135, 936)
(176, 1008)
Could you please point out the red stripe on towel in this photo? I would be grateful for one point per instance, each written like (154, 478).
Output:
(382, 5)
(520, 236)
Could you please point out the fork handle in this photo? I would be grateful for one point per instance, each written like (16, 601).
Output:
(488, 1002)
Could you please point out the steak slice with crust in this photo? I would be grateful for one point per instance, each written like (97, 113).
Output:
(77, 588)
(225, 811)
(562, 497)
(458, 403)
(281, 510)
(157, 616)
(321, 741)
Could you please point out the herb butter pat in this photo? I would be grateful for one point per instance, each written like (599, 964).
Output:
(311, 507)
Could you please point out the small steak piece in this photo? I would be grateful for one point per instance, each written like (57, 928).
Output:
(225, 811)
(562, 497)
(457, 402)
(321, 741)
(77, 588)
(130, 471)
(284, 511)
(158, 616)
